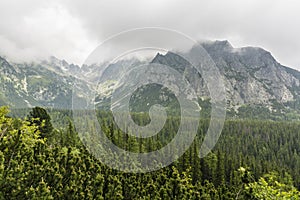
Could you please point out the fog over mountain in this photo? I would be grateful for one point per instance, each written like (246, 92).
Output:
(252, 77)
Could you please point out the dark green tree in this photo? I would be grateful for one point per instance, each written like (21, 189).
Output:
(42, 119)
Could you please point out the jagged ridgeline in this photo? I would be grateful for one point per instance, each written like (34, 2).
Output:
(257, 86)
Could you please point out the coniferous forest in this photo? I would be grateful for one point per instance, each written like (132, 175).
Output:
(253, 159)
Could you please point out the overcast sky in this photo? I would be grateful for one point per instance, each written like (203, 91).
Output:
(71, 29)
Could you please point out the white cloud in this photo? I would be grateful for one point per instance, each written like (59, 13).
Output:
(70, 29)
(46, 30)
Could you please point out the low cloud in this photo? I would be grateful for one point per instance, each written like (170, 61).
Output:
(71, 29)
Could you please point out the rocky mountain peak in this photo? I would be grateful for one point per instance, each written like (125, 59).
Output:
(251, 75)
(217, 46)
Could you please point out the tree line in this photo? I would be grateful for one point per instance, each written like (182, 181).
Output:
(252, 160)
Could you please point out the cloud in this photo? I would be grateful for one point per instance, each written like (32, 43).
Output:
(41, 30)
(70, 29)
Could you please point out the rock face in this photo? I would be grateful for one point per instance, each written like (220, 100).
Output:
(251, 75)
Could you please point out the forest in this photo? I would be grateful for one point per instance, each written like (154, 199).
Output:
(44, 158)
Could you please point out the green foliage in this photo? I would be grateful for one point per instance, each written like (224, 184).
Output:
(270, 187)
(42, 119)
(17, 142)
(57, 165)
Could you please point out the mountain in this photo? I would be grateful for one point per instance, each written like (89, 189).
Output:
(252, 77)
(256, 84)
(35, 84)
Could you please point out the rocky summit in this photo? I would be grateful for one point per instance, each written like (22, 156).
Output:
(254, 80)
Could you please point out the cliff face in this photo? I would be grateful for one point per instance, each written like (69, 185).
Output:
(251, 76)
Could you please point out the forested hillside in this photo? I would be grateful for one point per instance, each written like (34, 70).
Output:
(252, 160)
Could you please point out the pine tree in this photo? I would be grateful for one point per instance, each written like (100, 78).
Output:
(39, 116)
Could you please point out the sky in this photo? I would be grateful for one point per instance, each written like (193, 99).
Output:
(72, 29)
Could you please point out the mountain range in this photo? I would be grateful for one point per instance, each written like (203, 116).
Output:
(256, 84)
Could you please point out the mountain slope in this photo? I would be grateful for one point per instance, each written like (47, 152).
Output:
(253, 79)
(35, 84)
